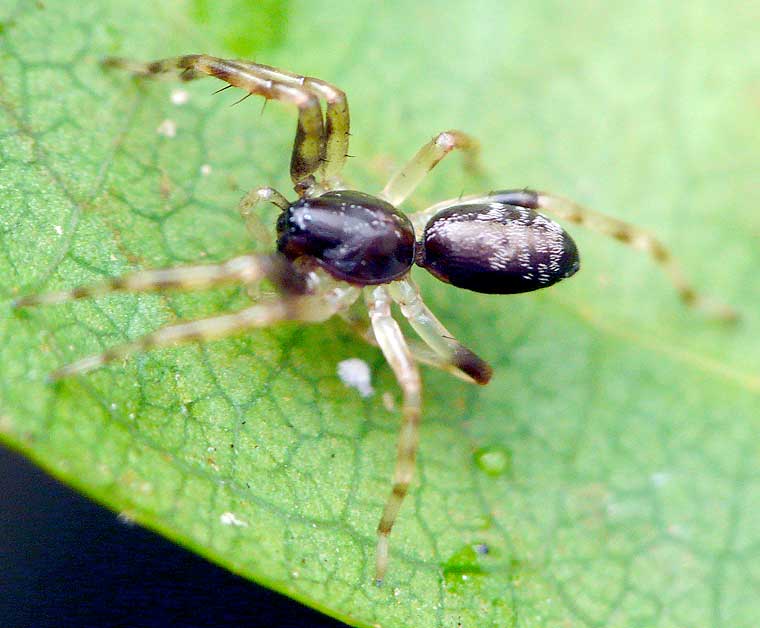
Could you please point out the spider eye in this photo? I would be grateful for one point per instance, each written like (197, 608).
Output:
(497, 248)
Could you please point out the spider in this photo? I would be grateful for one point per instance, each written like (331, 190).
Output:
(335, 245)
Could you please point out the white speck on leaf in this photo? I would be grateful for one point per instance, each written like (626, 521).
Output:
(206, 169)
(58, 229)
(355, 373)
(229, 519)
(679, 531)
(168, 128)
(179, 97)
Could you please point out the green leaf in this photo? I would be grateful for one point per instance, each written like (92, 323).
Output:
(608, 476)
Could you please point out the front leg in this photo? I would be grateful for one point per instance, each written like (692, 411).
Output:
(308, 146)
(421, 353)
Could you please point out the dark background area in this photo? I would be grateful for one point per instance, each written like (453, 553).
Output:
(65, 561)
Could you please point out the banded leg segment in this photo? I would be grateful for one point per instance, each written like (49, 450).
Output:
(308, 309)
(421, 353)
(243, 269)
(404, 182)
(255, 79)
(396, 352)
(406, 293)
(624, 232)
(337, 119)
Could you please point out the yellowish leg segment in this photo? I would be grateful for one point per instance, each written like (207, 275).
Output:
(422, 354)
(337, 119)
(247, 209)
(624, 232)
(406, 293)
(244, 269)
(308, 309)
(255, 79)
(396, 352)
(404, 182)
(640, 240)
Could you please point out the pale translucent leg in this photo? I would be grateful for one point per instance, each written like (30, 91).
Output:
(622, 231)
(308, 309)
(422, 354)
(638, 239)
(406, 293)
(308, 146)
(247, 209)
(404, 182)
(244, 269)
(396, 351)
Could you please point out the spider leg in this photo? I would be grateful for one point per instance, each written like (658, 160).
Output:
(255, 79)
(624, 232)
(247, 209)
(628, 234)
(404, 182)
(406, 293)
(396, 351)
(243, 269)
(337, 119)
(422, 354)
(310, 309)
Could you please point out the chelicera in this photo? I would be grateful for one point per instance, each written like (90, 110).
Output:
(335, 245)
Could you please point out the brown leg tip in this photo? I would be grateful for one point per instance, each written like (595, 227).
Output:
(469, 363)
(113, 62)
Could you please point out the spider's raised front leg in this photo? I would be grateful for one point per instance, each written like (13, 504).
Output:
(311, 147)
(337, 118)
(449, 351)
(404, 182)
(396, 352)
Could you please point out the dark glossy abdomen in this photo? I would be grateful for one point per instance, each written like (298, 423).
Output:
(354, 236)
(497, 248)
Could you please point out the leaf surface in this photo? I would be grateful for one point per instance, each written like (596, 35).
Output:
(608, 476)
